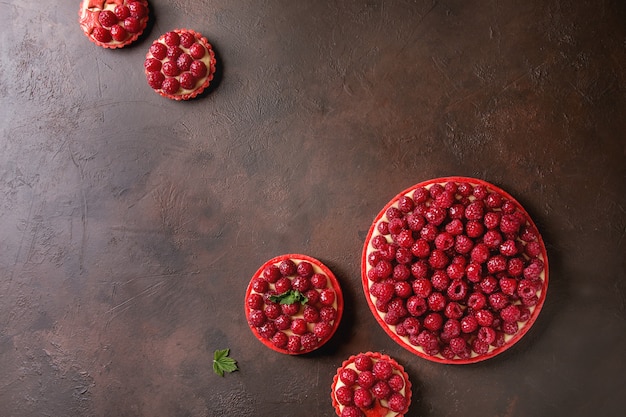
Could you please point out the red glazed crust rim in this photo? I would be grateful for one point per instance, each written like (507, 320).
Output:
(116, 45)
(334, 284)
(377, 356)
(210, 68)
(414, 349)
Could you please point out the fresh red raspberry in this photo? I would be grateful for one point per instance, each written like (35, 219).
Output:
(509, 223)
(458, 345)
(187, 39)
(294, 344)
(381, 390)
(474, 272)
(300, 283)
(184, 62)
(363, 398)
(383, 227)
(173, 53)
(282, 285)
(428, 341)
(348, 376)
(256, 318)
(319, 281)
(327, 297)
(382, 370)
(438, 259)
(118, 33)
(416, 306)
(155, 79)
(411, 325)
(480, 192)
(524, 314)
(280, 340)
(107, 18)
(404, 238)
(457, 290)
(267, 330)
(528, 233)
(464, 189)
(455, 271)
(493, 239)
(510, 327)
(476, 301)
(533, 249)
(526, 288)
(366, 379)
(283, 322)
(488, 284)
(394, 213)
(436, 301)
(379, 242)
(384, 269)
(453, 310)
(172, 38)
(480, 347)
(170, 85)
(515, 267)
(158, 50)
(313, 296)
(170, 69)
(396, 225)
(328, 314)
(137, 9)
(444, 241)
(463, 244)
(420, 248)
(260, 285)
(494, 200)
(454, 227)
(534, 269)
(351, 411)
(198, 69)
(456, 211)
(484, 317)
(508, 285)
(310, 314)
(452, 328)
(396, 382)
(401, 272)
(101, 34)
(322, 330)
(271, 273)
(397, 306)
(290, 309)
(255, 301)
(433, 321)
(132, 24)
(444, 200)
(397, 402)
(469, 324)
(510, 313)
(309, 341)
(496, 264)
(429, 232)
(509, 248)
(420, 195)
(299, 326)
(474, 229)
(420, 269)
(363, 362)
(498, 301)
(272, 311)
(486, 334)
(492, 220)
(344, 395)
(404, 256)
(480, 253)
(121, 11)
(530, 301)
(440, 280)
(415, 222)
(436, 215)
(406, 204)
(475, 211)
(403, 289)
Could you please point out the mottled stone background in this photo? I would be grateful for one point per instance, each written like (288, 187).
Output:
(130, 224)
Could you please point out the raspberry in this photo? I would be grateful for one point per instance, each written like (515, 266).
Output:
(381, 390)
(363, 398)
(267, 330)
(170, 69)
(436, 301)
(396, 382)
(438, 259)
(422, 287)
(256, 318)
(480, 253)
(366, 379)
(184, 62)
(510, 313)
(420, 195)
(155, 79)
(440, 280)
(510, 327)
(319, 281)
(480, 192)
(132, 24)
(382, 370)
(454, 227)
(158, 50)
(473, 271)
(435, 190)
(428, 341)
(411, 325)
(397, 308)
(476, 301)
(416, 306)
(492, 220)
(344, 395)
(313, 296)
(322, 330)
(428, 232)
(255, 301)
(509, 223)
(406, 204)
(397, 402)
(463, 244)
(170, 85)
(475, 211)
(299, 326)
(348, 376)
(457, 211)
(493, 200)
(101, 34)
(282, 285)
(452, 328)
(271, 273)
(480, 347)
(294, 344)
(328, 314)
(404, 256)
(492, 239)
(107, 18)
(498, 301)
(444, 200)
(384, 292)
(436, 215)
(401, 272)
(121, 11)
(496, 264)
(415, 221)
(351, 411)
(508, 248)
(419, 269)
(283, 322)
(272, 311)
(464, 189)
(363, 362)
(474, 229)
(533, 270)
(444, 241)
(311, 314)
(453, 310)
(187, 39)
(420, 248)
(309, 341)
(198, 69)
(301, 284)
(137, 9)
(457, 290)
(458, 345)
(515, 267)
(488, 284)
(526, 288)
(118, 33)
(260, 285)
(280, 340)
(484, 317)
(396, 225)
(486, 334)
(403, 289)
(196, 50)
(508, 285)
(290, 309)
(383, 227)
(533, 249)
(172, 39)
(433, 321)
(469, 324)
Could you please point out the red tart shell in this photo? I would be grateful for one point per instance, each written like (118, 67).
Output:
(378, 409)
(332, 284)
(203, 83)
(402, 340)
(88, 19)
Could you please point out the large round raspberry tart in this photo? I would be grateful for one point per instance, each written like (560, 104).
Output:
(180, 64)
(454, 270)
(371, 384)
(293, 304)
(113, 23)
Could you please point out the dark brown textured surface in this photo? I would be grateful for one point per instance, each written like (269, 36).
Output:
(131, 224)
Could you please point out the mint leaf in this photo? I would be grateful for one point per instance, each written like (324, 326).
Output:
(289, 297)
(222, 363)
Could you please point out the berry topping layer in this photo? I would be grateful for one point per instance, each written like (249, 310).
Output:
(113, 23)
(293, 304)
(180, 64)
(454, 270)
(371, 385)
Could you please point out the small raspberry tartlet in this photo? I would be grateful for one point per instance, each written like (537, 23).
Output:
(454, 270)
(180, 64)
(371, 384)
(293, 304)
(113, 23)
